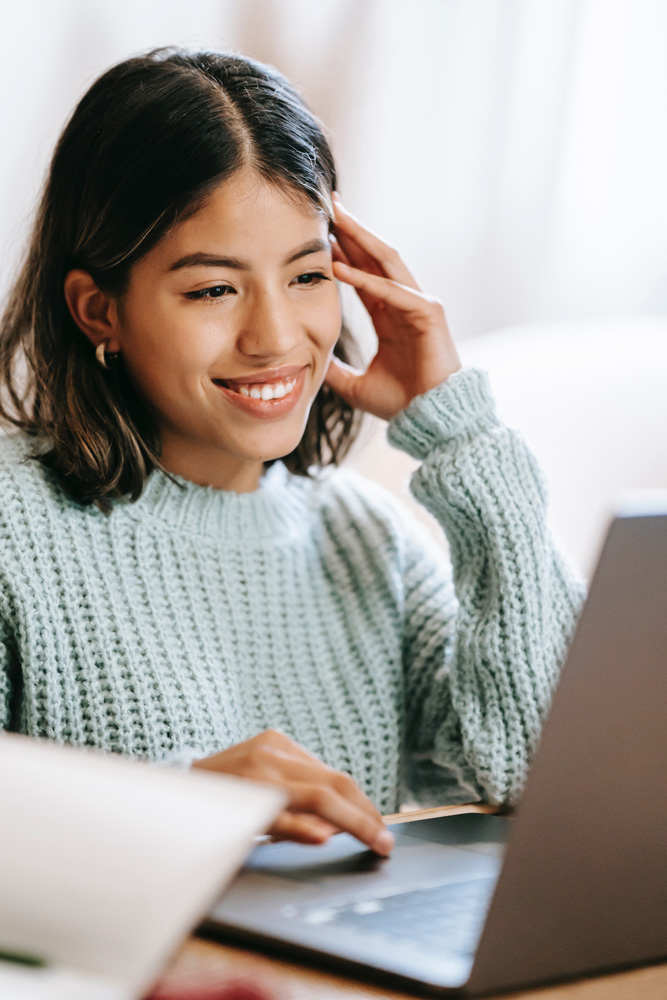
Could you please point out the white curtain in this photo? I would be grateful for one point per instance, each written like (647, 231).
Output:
(513, 150)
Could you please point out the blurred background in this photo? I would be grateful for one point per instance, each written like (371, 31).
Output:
(515, 153)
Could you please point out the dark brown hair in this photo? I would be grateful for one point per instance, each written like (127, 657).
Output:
(145, 145)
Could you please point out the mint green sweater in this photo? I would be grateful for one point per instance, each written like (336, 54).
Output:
(195, 618)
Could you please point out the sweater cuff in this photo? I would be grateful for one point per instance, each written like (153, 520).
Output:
(459, 406)
(181, 760)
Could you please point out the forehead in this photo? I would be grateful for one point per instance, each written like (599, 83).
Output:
(248, 217)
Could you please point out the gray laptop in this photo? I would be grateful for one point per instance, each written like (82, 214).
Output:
(574, 883)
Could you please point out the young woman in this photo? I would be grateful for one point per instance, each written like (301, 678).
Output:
(186, 576)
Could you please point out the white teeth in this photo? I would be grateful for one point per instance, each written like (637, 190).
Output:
(266, 391)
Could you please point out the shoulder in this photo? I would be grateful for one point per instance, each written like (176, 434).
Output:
(18, 466)
(27, 488)
(15, 451)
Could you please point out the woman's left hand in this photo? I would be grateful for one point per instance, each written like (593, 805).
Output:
(415, 348)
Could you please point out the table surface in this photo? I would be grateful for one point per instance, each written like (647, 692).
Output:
(201, 963)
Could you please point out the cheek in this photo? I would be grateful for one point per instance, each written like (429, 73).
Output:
(170, 343)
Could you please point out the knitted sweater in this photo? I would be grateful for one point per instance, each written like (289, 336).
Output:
(197, 617)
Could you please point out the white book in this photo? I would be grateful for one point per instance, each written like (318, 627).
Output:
(107, 863)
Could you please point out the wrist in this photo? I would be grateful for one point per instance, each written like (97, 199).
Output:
(434, 381)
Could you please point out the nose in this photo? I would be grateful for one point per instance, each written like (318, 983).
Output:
(270, 328)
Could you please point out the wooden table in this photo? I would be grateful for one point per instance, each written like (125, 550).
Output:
(201, 963)
(205, 962)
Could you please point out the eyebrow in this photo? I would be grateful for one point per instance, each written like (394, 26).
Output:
(202, 259)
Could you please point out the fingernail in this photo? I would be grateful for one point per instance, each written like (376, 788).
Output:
(335, 195)
(384, 843)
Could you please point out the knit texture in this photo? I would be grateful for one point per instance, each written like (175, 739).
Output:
(196, 618)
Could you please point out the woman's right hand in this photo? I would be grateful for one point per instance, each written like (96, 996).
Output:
(322, 801)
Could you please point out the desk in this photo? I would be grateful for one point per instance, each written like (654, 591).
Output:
(201, 962)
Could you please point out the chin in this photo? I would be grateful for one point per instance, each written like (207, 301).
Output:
(276, 445)
(271, 452)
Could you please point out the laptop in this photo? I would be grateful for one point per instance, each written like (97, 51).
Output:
(106, 863)
(574, 883)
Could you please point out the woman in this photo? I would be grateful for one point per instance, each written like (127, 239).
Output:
(186, 575)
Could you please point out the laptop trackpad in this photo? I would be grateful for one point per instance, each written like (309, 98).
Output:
(453, 847)
(341, 900)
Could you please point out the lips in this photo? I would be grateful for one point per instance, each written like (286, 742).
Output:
(260, 378)
(252, 397)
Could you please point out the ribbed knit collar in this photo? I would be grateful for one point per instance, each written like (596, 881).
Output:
(274, 510)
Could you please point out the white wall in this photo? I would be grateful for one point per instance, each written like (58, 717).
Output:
(513, 150)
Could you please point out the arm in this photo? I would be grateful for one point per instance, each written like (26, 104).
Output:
(481, 674)
(484, 647)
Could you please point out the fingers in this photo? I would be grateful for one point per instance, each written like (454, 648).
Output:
(302, 828)
(328, 804)
(337, 252)
(367, 251)
(343, 799)
(347, 787)
(321, 800)
(343, 379)
(305, 765)
(408, 300)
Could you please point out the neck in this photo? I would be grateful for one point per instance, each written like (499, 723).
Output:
(212, 468)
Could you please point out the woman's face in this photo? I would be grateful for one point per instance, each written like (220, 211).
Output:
(212, 315)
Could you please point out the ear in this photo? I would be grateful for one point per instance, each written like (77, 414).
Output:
(93, 311)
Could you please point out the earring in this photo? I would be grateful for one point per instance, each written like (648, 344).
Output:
(99, 353)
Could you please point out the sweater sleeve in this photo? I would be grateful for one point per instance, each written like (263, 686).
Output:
(486, 637)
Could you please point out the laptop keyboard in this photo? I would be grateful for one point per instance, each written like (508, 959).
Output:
(449, 916)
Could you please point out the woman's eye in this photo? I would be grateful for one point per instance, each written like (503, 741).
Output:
(214, 292)
(314, 275)
(310, 279)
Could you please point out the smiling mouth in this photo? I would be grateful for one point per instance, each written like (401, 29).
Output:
(261, 390)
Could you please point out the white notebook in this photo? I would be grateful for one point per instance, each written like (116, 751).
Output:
(107, 863)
